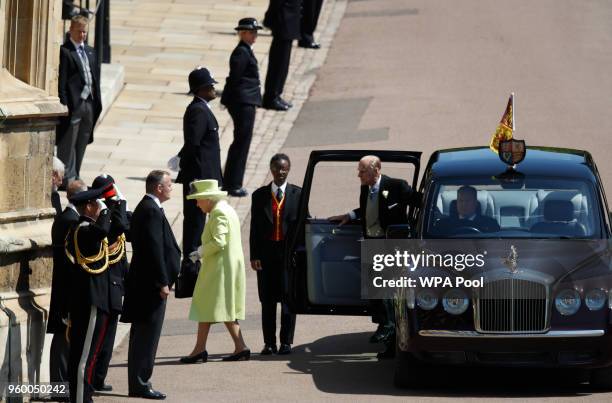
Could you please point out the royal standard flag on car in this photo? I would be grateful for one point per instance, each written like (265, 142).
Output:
(505, 127)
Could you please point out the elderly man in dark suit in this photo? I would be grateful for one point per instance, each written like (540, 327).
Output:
(200, 155)
(241, 95)
(283, 18)
(153, 270)
(383, 201)
(273, 210)
(60, 287)
(79, 90)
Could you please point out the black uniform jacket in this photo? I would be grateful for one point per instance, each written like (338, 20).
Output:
(60, 283)
(242, 86)
(155, 261)
(201, 153)
(270, 278)
(283, 17)
(117, 271)
(86, 288)
(71, 80)
(394, 196)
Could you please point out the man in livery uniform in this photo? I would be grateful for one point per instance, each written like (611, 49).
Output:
(88, 249)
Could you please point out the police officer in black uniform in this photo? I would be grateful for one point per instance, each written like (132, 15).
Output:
(88, 250)
(241, 95)
(117, 270)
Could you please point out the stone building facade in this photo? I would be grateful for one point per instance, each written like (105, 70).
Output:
(31, 32)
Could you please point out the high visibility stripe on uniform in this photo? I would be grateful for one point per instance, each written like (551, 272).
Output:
(86, 347)
(101, 335)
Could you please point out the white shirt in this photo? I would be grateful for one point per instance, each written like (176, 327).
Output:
(275, 188)
(71, 206)
(203, 100)
(77, 45)
(155, 199)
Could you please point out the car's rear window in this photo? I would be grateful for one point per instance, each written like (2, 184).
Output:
(535, 208)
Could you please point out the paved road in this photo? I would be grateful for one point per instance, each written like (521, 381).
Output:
(414, 75)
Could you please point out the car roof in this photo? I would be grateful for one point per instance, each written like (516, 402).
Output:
(539, 161)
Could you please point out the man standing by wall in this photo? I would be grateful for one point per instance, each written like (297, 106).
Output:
(241, 96)
(153, 270)
(79, 90)
(274, 208)
(283, 18)
(200, 155)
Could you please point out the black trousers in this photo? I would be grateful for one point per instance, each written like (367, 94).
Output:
(144, 338)
(243, 116)
(382, 312)
(106, 353)
(58, 358)
(278, 68)
(193, 224)
(310, 16)
(268, 323)
(87, 334)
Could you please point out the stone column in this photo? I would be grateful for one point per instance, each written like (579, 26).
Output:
(29, 49)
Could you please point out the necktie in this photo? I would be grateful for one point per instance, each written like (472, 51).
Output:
(87, 72)
(279, 194)
(372, 193)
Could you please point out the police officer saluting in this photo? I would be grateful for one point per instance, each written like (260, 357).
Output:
(117, 237)
(88, 249)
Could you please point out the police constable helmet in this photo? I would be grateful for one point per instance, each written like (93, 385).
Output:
(200, 77)
(104, 182)
(248, 24)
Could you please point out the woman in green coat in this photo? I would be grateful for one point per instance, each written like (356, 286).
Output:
(219, 292)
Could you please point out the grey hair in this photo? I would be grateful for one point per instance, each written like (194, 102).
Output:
(58, 165)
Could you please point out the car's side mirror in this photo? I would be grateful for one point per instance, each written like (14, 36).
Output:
(399, 231)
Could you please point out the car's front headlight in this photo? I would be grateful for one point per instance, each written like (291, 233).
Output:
(455, 302)
(567, 302)
(427, 299)
(595, 299)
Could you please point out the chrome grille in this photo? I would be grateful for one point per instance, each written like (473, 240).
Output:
(511, 305)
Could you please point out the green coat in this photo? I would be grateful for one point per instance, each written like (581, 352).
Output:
(220, 289)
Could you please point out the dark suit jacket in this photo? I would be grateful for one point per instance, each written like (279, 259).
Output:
(60, 285)
(201, 153)
(155, 261)
(283, 17)
(88, 288)
(71, 80)
(480, 222)
(242, 86)
(269, 279)
(118, 271)
(392, 209)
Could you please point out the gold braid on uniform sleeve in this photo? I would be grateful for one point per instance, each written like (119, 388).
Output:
(116, 250)
(84, 261)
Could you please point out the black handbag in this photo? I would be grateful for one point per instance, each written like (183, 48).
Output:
(186, 280)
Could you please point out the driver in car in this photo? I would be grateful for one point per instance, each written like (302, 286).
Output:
(468, 217)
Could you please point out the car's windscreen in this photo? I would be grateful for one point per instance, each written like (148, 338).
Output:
(536, 208)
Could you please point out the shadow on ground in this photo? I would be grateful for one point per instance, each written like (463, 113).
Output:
(346, 364)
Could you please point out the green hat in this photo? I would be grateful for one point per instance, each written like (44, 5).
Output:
(205, 189)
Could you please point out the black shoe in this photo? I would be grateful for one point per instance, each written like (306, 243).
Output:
(241, 192)
(192, 359)
(244, 355)
(284, 349)
(269, 349)
(382, 333)
(309, 45)
(275, 105)
(148, 394)
(103, 388)
(282, 101)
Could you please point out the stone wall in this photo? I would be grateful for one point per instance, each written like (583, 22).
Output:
(30, 35)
